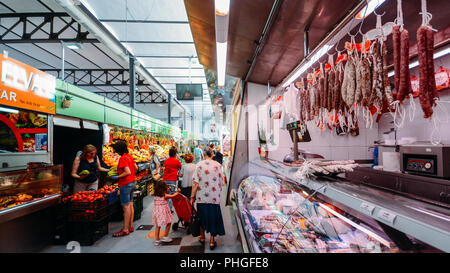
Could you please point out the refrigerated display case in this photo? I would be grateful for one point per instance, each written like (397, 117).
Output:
(279, 215)
(25, 191)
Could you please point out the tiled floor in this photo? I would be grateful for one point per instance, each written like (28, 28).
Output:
(137, 243)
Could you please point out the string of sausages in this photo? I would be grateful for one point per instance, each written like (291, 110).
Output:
(332, 96)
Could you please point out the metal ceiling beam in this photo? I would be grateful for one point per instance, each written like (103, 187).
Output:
(48, 19)
(97, 77)
(158, 42)
(143, 21)
(141, 97)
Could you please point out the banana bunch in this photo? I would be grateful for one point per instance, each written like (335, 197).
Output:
(112, 171)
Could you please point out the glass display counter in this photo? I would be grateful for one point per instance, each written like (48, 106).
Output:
(26, 191)
(278, 216)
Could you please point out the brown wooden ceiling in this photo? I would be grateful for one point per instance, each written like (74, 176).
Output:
(283, 48)
(247, 20)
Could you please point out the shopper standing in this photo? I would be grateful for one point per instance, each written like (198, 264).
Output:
(187, 174)
(198, 154)
(206, 192)
(219, 156)
(155, 164)
(127, 184)
(161, 215)
(87, 160)
(171, 167)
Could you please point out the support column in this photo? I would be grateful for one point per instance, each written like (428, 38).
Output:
(169, 110)
(132, 83)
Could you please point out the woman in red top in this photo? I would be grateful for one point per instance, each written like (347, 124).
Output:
(171, 167)
(127, 184)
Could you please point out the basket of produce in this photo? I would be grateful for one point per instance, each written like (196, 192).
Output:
(110, 193)
(87, 200)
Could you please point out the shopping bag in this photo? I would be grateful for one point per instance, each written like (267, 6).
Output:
(194, 223)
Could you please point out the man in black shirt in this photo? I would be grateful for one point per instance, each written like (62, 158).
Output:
(219, 156)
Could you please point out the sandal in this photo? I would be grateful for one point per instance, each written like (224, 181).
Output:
(201, 240)
(131, 229)
(212, 245)
(121, 233)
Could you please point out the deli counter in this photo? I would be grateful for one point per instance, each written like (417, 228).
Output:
(27, 200)
(279, 213)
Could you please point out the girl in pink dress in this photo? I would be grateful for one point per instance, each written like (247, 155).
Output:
(161, 215)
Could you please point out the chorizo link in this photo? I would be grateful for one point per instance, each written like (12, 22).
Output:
(404, 88)
(423, 72)
(430, 67)
(330, 89)
(397, 50)
(366, 86)
(386, 82)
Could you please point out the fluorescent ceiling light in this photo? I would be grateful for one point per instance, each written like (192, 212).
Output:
(73, 46)
(436, 55)
(222, 7)
(308, 64)
(9, 110)
(221, 62)
(373, 4)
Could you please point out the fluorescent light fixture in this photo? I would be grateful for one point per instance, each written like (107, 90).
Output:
(9, 110)
(436, 55)
(308, 64)
(221, 62)
(355, 225)
(373, 4)
(73, 46)
(222, 7)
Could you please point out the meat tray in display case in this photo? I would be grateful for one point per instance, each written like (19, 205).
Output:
(282, 217)
(26, 191)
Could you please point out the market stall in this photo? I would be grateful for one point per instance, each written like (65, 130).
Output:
(351, 140)
(30, 185)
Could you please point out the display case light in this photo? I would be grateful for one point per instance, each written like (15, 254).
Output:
(9, 110)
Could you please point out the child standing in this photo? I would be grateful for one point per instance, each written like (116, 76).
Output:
(161, 215)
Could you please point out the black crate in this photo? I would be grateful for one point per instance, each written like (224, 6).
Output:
(97, 204)
(87, 215)
(87, 233)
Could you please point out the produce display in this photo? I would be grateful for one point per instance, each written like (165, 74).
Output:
(139, 144)
(283, 219)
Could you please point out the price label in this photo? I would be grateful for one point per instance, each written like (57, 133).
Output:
(367, 208)
(387, 216)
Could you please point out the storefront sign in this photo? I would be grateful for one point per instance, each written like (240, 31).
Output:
(25, 87)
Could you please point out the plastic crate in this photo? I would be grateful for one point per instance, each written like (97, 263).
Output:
(87, 233)
(97, 204)
(112, 197)
(87, 215)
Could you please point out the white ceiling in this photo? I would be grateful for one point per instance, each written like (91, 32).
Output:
(164, 47)
(158, 34)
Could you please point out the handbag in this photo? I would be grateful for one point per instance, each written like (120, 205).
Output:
(156, 177)
(194, 223)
